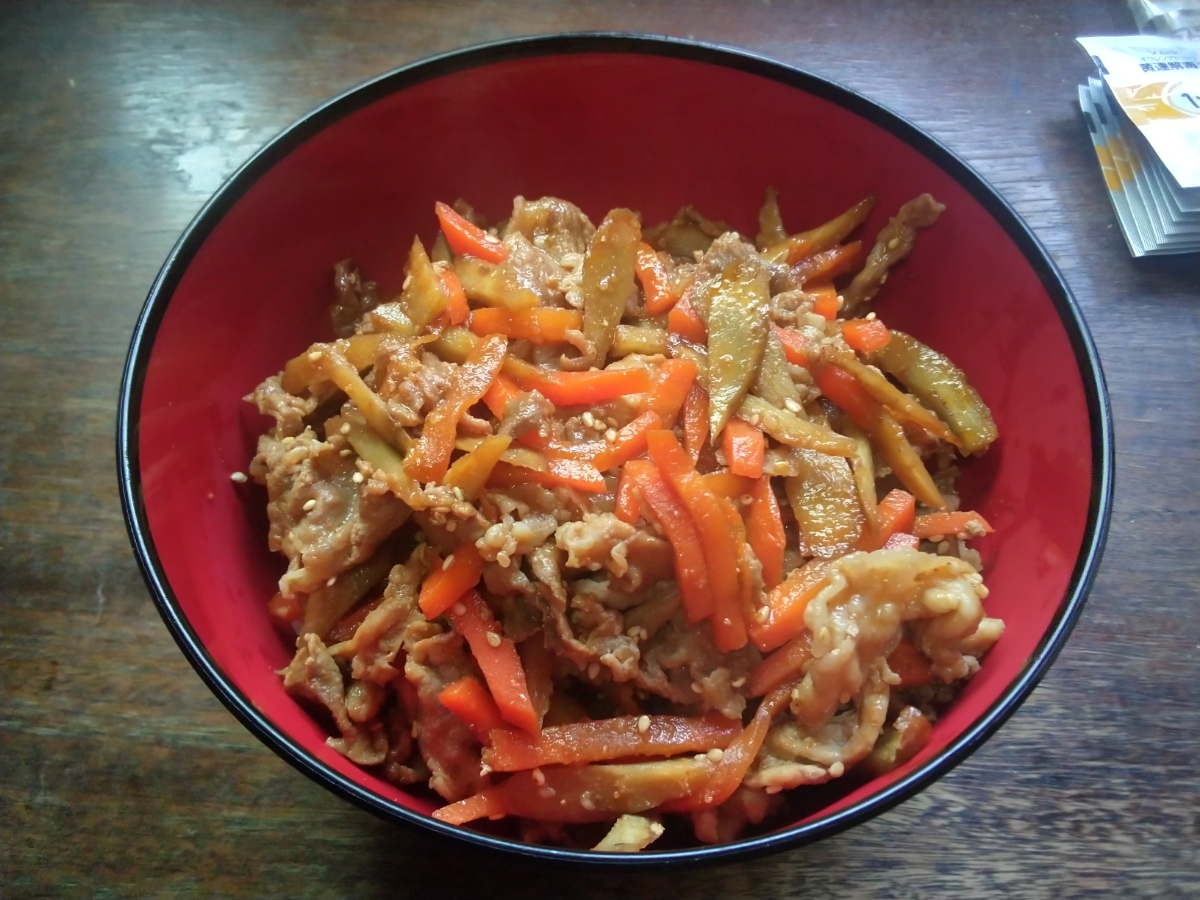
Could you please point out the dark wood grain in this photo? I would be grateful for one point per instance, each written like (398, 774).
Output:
(121, 774)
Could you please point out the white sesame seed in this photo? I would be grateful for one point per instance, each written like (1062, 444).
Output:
(332, 581)
(871, 317)
(589, 420)
(587, 803)
(447, 562)
(715, 754)
(791, 405)
(745, 499)
(943, 547)
(345, 429)
(458, 494)
(494, 639)
(738, 682)
(773, 789)
(346, 452)
(837, 769)
(593, 670)
(762, 614)
(452, 525)
(633, 631)
(795, 695)
(357, 477)
(315, 355)
(610, 435)
(238, 477)
(755, 419)
(893, 243)
(539, 777)
(460, 609)
(643, 724)
(503, 559)
(937, 538)
(309, 505)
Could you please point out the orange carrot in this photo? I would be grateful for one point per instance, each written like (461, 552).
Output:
(895, 514)
(606, 739)
(456, 307)
(578, 388)
(720, 550)
(744, 447)
(628, 506)
(910, 664)
(866, 335)
(668, 511)
(964, 522)
(764, 531)
(795, 347)
(726, 484)
(902, 541)
(630, 442)
(686, 322)
(497, 658)
(474, 706)
(825, 302)
(843, 389)
(539, 325)
(786, 604)
(660, 295)
(826, 264)
(465, 238)
(430, 457)
(783, 665)
(695, 421)
(285, 610)
(577, 474)
(487, 804)
(446, 583)
(669, 389)
(503, 390)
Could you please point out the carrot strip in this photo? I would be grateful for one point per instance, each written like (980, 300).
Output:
(866, 335)
(430, 457)
(728, 485)
(497, 658)
(470, 472)
(964, 522)
(468, 239)
(669, 389)
(630, 442)
(902, 541)
(719, 547)
(910, 664)
(826, 264)
(539, 325)
(474, 706)
(786, 604)
(456, 307)
(672, 516)
(578, 388)
(895, 514)
(784, 664)
(795, 347)
(660, 295)
(497, 397)
(843, 389)
(576, 474)
(487, 804)
(684, 321)
(729, 771)
(628, 505)
(744, 447)
(695, 421)
(764, 530)
(446, 583)
(825, 302)
(285, 610)
(606, 739)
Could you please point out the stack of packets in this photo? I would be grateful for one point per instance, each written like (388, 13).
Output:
(1144, 116)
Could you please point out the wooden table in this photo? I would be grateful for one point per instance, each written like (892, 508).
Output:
(123, 776)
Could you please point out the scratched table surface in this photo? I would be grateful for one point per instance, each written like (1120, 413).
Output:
(121, 775)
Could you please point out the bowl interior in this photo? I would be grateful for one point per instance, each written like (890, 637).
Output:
(602, 129)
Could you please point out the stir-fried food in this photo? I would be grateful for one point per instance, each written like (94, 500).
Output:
(605, 530)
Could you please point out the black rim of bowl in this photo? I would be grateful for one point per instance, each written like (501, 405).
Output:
(473, 57)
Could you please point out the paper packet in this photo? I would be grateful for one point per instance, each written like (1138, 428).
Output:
(1156, 82)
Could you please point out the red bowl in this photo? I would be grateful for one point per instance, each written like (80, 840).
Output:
(603, 120)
